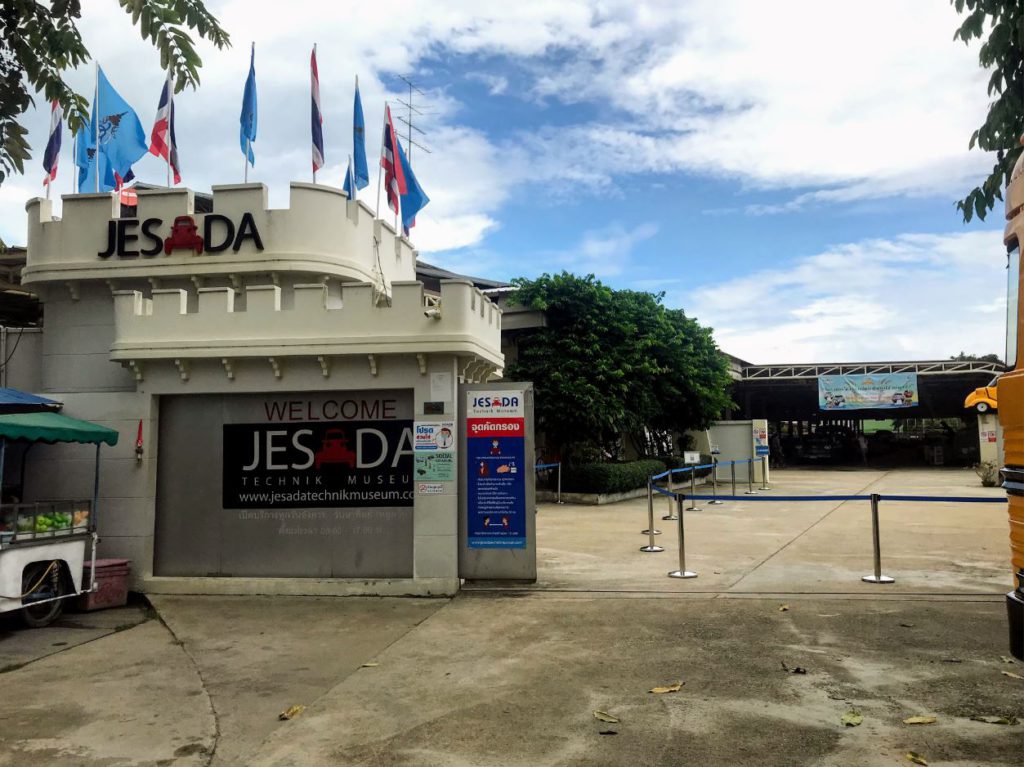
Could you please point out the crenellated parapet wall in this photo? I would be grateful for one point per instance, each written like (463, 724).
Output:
(322, 232)
(463, 322)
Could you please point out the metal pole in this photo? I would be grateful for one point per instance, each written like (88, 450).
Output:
(682, 572)
(750, 478)
(96, 488)
(558, 497)
(732, 472)
(764, 473)
(877, 577)
(650, 531)
(693, 491)
(3, 451)
(714, 483)
(670, 517)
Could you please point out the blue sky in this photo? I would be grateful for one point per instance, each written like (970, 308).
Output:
(785, 173)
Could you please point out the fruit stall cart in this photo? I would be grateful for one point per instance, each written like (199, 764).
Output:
(43, 543)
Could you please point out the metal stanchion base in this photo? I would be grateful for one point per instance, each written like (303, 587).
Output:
(670, 518)
(682, 574)
(749, 492)
(879, 579)
(648, 532)
(765, 487)
(651, 549)
(715, 503)
(693, 508)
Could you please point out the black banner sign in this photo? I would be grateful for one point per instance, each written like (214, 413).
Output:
(342, 464)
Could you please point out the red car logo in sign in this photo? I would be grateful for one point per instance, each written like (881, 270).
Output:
(334, 450)
(183, 235)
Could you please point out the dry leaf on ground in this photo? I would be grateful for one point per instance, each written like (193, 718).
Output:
(1012, 675)
(291, 712)
(783, 608)
(370, 664)
(608, 732)
(916, 758)
(1006, 659)
(995, 719)
(670, 688)
(604, 716)
(852, 718)
(920, 720)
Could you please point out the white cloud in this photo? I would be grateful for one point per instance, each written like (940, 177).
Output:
(911, 297)
(863, 99)
(496, 84)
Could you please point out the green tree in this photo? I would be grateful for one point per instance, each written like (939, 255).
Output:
(613, 362)
(1002, 52)
(39, 41)
(963, 357)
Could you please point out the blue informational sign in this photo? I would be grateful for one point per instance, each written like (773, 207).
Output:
(496, 470)
(760, 450)
(868, 392)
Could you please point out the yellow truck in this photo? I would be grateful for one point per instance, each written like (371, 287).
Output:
(1011, 412)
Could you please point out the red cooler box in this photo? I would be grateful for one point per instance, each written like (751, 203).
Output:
(111, 584)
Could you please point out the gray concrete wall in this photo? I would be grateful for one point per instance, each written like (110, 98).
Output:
(23, 350)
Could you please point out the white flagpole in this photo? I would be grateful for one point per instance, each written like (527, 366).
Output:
(246, 160)
(74, 161)
(96, 138)
(380, 169)
(170, 122)
(318, 105)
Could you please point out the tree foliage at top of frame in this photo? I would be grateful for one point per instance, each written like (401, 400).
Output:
(40, 41)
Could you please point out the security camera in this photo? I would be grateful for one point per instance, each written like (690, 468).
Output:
(434, 312)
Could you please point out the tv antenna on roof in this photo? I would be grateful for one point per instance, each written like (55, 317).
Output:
(413, 112)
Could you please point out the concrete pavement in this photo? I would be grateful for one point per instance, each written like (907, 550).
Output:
(512, 676)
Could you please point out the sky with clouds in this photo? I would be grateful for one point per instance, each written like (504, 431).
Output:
(786, 173)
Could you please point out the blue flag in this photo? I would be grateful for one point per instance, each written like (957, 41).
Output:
(360, 170)
(415, 199)
(350, 181)
(114, 141)
(247, 133)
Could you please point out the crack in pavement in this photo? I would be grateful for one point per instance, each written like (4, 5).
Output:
(202, 682)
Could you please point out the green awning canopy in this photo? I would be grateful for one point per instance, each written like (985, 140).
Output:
(53, 427)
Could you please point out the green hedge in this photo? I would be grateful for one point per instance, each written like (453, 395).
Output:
(609, 477)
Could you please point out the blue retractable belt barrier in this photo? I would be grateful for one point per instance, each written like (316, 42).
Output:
(540, 466)
(822, 498)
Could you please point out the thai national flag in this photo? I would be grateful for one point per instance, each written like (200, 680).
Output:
(162, 142)
(52, 153)
(394, 176)
(317, 116)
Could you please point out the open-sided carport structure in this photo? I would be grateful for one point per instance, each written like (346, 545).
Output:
(790, 392)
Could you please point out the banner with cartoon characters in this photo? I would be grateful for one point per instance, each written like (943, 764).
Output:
(495, 448)
(883, 391)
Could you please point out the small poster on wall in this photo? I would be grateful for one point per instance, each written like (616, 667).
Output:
(434, 447)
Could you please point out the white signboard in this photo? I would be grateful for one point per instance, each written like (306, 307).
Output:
(691, 457)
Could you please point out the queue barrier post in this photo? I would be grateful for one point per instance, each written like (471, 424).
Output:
(693, 490)
(764, 473)
(732, 473)
(750, 478)
(650, 531)
(558, 496)
(670, 517)
(714, 483)
(877, 576)
(682, 572)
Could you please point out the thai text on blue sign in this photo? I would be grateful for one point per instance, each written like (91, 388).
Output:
(868, 392)
(496, 469)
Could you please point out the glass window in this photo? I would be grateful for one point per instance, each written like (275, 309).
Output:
(1012, 286)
